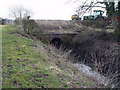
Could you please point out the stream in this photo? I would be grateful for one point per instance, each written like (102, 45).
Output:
(86, 70)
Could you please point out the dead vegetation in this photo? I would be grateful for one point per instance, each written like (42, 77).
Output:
(58, 26)
(100, 51)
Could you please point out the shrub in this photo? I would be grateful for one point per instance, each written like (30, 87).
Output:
(29, 28)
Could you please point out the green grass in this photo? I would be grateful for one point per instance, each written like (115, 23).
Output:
(0, 56)
(20, 63)
(27, 64)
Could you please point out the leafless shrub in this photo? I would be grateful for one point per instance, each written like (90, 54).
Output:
(106, 62)
(99, 51)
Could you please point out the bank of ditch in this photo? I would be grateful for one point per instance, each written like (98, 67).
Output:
(28, 63)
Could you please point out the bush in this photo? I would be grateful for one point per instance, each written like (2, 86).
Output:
(29, 28)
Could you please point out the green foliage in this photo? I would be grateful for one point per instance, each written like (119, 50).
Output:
(22, 67)
(29, 27)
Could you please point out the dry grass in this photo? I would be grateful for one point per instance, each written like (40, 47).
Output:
(58, 26)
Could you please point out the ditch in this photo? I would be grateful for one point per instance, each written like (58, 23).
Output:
(97, 58)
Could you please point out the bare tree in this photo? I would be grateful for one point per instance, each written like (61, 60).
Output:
(87, 5)
(19, 12)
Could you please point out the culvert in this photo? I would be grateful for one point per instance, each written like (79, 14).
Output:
(56, 42)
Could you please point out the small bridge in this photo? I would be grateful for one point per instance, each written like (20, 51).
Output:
(58, 38)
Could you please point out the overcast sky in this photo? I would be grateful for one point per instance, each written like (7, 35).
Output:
(42, 9)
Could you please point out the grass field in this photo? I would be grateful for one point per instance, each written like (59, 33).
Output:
(31, 64)
(0, 56)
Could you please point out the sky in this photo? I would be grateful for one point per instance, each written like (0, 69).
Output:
(42, 9)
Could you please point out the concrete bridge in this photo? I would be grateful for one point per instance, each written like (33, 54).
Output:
(58, 38)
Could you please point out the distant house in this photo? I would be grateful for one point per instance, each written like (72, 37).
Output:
(6, 21)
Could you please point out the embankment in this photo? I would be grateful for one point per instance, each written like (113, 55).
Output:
(28, 63)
